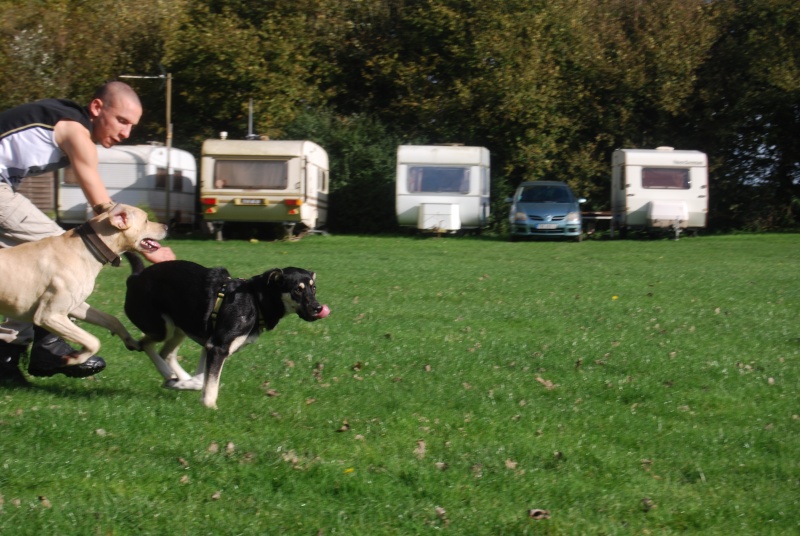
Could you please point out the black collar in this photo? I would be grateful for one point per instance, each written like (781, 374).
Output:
(96, 245)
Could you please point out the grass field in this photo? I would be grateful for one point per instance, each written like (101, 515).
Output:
(625, 387)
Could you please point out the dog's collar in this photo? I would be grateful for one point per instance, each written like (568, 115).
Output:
(96, 245)
(218, 306)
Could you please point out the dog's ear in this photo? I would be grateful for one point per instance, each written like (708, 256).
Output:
(120, 217)
(275, 277)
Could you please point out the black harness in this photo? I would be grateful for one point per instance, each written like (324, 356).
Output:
(218, 306)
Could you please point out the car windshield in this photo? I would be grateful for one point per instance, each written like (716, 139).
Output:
(544, 194)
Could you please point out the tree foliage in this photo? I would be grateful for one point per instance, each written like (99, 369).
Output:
(364, 167)
(550, 87)
(748, 108)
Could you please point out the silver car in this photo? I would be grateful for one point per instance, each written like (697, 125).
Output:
(545, 209)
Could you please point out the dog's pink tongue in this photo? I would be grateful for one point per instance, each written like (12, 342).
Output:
(151, 244)
(325, 312)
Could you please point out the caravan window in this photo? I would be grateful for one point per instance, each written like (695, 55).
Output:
(251, 174)
(666, 178)
(177, 181)
(438, 179)
(161, 178)
(322, 180)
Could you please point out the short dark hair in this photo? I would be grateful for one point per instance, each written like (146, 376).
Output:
(110, 91)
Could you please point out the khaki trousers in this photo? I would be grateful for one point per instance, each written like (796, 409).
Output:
(21, 221)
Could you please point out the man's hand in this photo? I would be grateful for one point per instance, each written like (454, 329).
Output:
(160, 255)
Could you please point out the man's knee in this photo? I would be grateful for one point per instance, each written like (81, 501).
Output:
(22, 221)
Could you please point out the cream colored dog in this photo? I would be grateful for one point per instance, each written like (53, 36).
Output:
(47, 282)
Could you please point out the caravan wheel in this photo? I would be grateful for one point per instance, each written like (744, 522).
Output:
(215, 229)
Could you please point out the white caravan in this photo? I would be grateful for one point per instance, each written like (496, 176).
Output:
(659, 188)
(284, 182)
(137, 175)
(442, 188)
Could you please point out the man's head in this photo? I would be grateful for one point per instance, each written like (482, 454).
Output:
(114, 110)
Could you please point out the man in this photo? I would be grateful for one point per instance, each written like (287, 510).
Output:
(43, 136)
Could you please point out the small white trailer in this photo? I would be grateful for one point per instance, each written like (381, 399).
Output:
(137, 175)
(274, 181)
(442, 188)
(658, 189)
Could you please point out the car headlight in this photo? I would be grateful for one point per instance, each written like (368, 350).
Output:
(573, 217)
(520, 216)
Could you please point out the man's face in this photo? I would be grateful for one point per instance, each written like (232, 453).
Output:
(112, 121)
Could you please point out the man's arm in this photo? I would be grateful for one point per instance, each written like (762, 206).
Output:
(77, 144)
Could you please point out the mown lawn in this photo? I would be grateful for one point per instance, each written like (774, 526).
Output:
(625, 387)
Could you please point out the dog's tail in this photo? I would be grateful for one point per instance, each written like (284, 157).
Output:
(136, 262)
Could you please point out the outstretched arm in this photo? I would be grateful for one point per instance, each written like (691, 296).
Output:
(160, 255)
(74, 139)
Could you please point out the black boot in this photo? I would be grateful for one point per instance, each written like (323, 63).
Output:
(47, 354)
(9, 364)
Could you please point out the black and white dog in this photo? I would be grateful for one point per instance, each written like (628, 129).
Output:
(171, 300)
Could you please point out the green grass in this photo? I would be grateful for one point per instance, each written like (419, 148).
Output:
(672, 404)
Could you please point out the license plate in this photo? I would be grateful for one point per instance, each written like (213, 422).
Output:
(547, 226)
(249, 201)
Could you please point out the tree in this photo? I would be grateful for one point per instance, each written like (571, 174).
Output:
(749, 104)
(572, 81)
(58, 48)
(224, 54)
(362, 153)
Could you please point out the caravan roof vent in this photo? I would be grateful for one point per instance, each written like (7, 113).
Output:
(665, 148)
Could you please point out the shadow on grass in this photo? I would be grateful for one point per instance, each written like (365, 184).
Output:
(73, 392)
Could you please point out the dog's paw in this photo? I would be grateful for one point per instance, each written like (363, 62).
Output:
(192, 384)
(170, 383)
